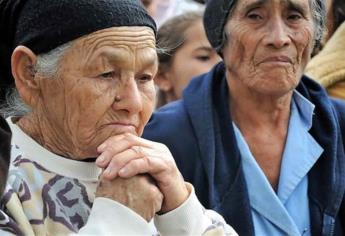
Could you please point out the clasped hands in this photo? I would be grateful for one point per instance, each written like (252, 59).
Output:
(141, 175)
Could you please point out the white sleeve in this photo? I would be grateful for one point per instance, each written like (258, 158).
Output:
(109, 217)
(192, 219)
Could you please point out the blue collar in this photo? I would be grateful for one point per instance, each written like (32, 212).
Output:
(300, 154)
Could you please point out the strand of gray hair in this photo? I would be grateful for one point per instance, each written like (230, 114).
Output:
(47, 65)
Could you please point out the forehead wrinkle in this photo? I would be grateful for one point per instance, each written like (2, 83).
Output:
(147, 59)
(130, 44)
(130, 33)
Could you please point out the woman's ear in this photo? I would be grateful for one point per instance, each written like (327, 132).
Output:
(162, 79)
(23, 70)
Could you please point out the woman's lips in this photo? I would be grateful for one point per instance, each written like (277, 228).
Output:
(277, 60)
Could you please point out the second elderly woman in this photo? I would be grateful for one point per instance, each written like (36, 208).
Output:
(261, 143)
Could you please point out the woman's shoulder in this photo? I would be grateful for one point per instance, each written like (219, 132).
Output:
(167, 120)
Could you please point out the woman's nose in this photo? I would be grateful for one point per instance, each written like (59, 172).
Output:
(128, 97)
(278, 34)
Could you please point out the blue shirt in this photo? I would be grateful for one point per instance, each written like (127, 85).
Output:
(287, 211)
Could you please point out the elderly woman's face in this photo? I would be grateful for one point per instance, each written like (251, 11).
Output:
(104, 87)
(269, 44)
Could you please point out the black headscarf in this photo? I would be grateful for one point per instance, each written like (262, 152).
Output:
(43, 25)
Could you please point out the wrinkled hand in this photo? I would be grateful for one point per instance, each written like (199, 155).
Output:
(138, 193)
(127, 155)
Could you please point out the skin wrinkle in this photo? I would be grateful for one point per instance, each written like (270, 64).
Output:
(90, 97)
(137, 35)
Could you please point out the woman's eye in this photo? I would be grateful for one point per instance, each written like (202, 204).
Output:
(254, 16)
(294, 17)
(107, 75)
(202, 58)
(145, 78)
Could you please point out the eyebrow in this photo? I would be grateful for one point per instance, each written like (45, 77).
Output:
(293, 5)
(204, 48)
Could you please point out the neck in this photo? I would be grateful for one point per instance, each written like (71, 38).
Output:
(252, 110)
(41, 131)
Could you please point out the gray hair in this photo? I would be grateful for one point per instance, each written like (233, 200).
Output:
(47, 66)
(318, 9)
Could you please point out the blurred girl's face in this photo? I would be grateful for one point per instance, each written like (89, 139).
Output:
(194, 57)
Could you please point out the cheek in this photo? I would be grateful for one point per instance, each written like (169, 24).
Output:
(240, 48)
(304, 44)
(148, 101)
(180, 74)
(92, 97)
(89, 102)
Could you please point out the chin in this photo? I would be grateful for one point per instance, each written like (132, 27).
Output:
(275, 89)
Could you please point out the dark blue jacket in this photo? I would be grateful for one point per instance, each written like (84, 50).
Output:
(198, 130)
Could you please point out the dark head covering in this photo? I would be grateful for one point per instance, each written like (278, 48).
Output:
(43, 25)
(217, 13)
(215, 18)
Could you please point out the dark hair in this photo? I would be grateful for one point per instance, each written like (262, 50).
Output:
(338, 13)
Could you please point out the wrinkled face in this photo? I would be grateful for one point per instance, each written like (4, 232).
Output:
(269, 44)
(193, 58)
(81, 104)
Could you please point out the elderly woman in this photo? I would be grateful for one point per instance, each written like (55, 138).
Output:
(262, 144)
(85, 69)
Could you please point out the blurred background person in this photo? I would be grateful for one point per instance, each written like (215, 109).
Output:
(185, 53)
(328, 66)
(162, 10)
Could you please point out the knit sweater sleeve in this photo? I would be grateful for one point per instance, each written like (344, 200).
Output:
(109, 217)
(192, 219)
